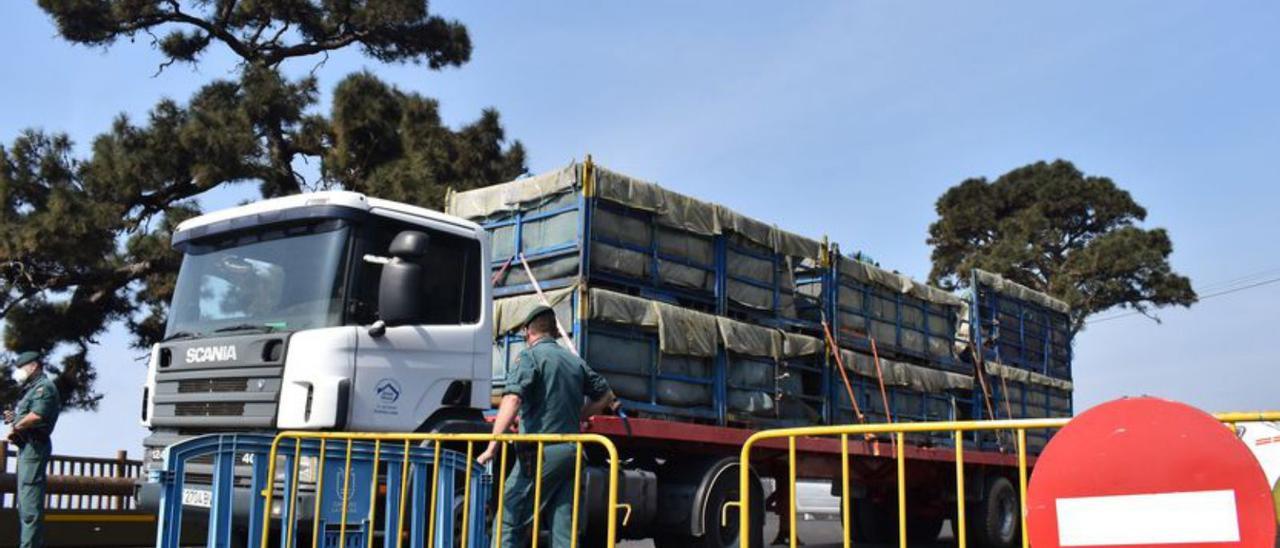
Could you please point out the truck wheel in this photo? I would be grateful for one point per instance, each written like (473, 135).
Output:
(877, 523)
(996, 521)
(724, 490)
(872, 522)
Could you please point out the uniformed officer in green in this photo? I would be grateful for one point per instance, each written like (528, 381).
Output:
(547, 387)
(32, 422)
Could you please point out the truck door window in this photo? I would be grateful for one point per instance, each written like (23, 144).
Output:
(451, 275)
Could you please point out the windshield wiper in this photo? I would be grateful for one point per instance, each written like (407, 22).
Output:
(180, 335)
(245, 327)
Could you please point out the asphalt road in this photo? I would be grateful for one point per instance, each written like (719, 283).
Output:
(818, 534)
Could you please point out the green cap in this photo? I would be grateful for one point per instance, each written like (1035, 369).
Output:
(25, 358)
(537, 311)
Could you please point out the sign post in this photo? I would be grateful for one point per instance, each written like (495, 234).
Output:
(1148, 472)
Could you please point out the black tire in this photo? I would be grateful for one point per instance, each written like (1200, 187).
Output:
(877, 523)
(996, 520)
(873, 522)
(724, 490)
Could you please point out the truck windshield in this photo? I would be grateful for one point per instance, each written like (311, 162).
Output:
(281, 278)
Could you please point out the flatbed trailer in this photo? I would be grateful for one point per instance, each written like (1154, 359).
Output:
(701, 455)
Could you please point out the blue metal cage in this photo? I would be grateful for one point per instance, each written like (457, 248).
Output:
(233, 470)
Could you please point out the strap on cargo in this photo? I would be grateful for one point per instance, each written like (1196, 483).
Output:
(884, 396)
(543, 297)
(1008, 408)
(835, 351)
(980, 372)
(982, 381)
(497, 276)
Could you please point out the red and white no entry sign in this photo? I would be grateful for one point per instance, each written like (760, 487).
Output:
(1148, 472)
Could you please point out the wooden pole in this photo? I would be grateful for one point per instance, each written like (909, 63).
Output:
(122, 460)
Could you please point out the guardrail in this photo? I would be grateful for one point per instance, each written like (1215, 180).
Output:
(76, 483)
(348, 489)
(897, 432)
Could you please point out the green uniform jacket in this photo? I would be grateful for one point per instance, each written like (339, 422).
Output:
(41, 397)
(551, 382)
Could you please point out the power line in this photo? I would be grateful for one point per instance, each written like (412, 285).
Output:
(1239, 281)
(1202, 298)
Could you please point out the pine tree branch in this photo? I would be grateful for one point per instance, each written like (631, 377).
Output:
(178, 16)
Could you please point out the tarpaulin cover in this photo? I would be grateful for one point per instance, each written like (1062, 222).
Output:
(510, 311)
(680, 331)
(795, 345)
(671, 209)
(683, 248)
(628, 363)
(510, 196)
(731, 221)
(1019, 291)
(1022, 375)
(752, 385)
(900, 283)
(904, 374)
(751, 340)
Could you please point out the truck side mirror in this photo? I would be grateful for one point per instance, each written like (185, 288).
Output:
(400, 287)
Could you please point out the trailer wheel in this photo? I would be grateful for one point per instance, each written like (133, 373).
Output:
(996, 521)
(877, 523)
(717, 535)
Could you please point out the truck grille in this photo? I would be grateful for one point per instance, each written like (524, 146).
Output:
(209, 409)
(236, 393)
(233, 384)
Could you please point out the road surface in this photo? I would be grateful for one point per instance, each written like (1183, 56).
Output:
(818, 534)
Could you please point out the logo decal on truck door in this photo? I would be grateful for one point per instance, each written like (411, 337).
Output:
(388, 392)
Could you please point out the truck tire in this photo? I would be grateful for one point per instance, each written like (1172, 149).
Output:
(996, 520)
(877, 523)
(723, 490)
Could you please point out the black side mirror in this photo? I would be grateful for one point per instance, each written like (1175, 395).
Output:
(400, 288)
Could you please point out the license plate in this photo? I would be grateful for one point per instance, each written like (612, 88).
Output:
(197, 497)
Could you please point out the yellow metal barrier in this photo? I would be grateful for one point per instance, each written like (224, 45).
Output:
(393, 454)
(897, 433)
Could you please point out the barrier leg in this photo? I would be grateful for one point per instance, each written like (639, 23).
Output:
(223, 485)
(258, 504)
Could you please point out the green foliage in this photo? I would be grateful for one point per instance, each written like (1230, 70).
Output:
(84, 243)
(264, 34)
(392, 144)
(1052, 228)
(65, 277)
(267, 32)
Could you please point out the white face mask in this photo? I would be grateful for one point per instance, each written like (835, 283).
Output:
(21, 375)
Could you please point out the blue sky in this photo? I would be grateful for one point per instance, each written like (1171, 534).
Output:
(837, 118)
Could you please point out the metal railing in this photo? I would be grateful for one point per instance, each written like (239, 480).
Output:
(897, 433)
(76, 483)
(347, 490)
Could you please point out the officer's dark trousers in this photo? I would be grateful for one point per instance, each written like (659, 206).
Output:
(32, 461)
(556, 497)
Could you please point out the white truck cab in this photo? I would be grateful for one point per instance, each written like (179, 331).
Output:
(323, 311)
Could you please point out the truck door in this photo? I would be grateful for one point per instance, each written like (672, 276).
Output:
(409, 372)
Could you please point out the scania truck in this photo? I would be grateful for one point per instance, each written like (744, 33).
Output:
(338, 311)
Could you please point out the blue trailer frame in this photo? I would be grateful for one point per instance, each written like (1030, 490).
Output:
(811, 307)
(835, 309)
(714, 301)
(582, 333)
(993, 337)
